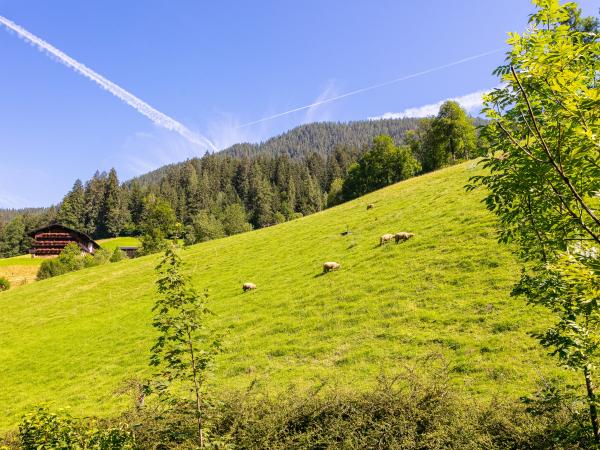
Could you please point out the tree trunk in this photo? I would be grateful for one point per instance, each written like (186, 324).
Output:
(196, 391)
(592, 401)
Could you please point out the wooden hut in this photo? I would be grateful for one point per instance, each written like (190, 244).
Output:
(51, 240)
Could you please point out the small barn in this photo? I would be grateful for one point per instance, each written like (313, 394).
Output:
(51, 240)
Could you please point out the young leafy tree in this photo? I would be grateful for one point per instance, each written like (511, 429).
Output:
(207, 227)
(234, 219)
(185, 348)
(334, 196)
(543, 178)
(454, 131)
(158, 223)
(383, 164)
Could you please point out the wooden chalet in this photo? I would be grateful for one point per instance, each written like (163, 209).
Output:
(51, 240)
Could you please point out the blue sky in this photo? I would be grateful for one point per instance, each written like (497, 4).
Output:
(213, 66)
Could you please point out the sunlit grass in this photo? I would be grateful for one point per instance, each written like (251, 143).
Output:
(23, 260)
(74, 339)
(124, 241)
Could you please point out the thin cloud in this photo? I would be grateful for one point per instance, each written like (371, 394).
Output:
(224, 130)
(157, 117)
(144, 152)
(374, 86)
(315, 113)
(472, 103)
(11, 201)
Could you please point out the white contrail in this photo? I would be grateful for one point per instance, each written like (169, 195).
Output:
(142, 107)
(375, 86)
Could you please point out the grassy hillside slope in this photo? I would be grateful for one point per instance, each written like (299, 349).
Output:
(74, 339)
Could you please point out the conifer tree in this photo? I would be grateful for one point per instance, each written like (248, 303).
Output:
(136, 202)
(114, 212)
(71, 212)
(94, 200)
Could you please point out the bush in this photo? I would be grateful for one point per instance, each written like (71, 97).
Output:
(101, 256)
(4, 284)
(71, 259)
(51, 268)
(406, 412)
(117, 255)
(43, 429)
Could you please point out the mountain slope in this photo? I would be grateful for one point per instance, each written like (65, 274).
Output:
(319, 137)
(74, 339)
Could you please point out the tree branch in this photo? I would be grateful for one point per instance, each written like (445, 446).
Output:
(561, 174)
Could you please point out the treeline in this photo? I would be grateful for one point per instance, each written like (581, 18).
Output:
(16, 224)
(235, 191)
(321, 138)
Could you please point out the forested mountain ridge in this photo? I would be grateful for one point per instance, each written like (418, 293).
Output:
(319, 137)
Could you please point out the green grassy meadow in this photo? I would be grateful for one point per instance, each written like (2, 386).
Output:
(122, 241)
(73, 340)
(22, 260)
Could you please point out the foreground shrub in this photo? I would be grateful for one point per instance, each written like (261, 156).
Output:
(4, 284)
(393, 415)
(399, 413)
(43, 429)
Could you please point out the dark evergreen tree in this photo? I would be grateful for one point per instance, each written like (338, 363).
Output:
(136, 203)
(114, 212)
(71, 211)
(94, 201)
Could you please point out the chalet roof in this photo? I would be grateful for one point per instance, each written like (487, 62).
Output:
(83, 236)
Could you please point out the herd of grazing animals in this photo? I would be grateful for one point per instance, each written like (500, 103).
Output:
(329, 266)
